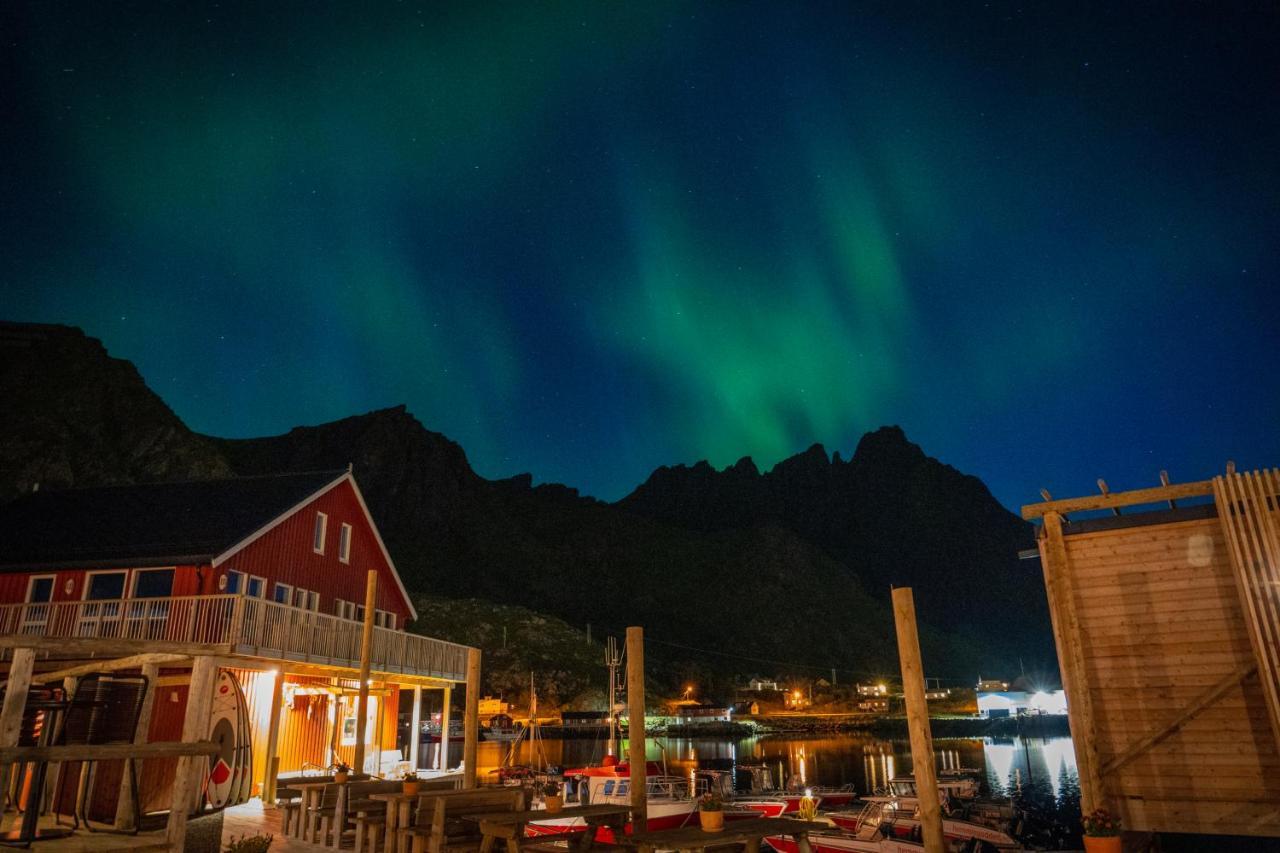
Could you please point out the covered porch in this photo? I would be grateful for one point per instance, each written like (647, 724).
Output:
(306, 679)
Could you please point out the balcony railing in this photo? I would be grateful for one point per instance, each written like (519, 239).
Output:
(250, 626)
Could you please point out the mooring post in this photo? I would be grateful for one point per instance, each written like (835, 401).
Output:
(471, 721)
(904, 617)
(635, 726)
(366, 657)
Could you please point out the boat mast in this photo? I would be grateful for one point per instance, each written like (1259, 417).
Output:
(612, 660)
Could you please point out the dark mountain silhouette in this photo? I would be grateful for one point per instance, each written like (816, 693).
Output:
(759, 570)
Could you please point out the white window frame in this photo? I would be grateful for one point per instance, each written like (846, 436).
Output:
(262, 587)
(34, 608)
(320, 532)
(93, 613)
(313, 601)
(288, 598)
(242, 587)
(344, 543)
(299, 598)
(384, 619)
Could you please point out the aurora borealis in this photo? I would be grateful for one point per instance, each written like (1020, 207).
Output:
(584, 240)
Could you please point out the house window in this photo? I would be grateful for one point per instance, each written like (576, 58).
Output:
(99, 616)
(313, 601)
(359, 612)
(282, 593)
(104, 586)
(317, 537)
(383, 619)
(300, 598)
(256, 587)
(153, 583)
(235, 582)
(344, 543)
(35, 616)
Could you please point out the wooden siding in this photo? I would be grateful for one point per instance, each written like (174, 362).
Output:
(1160, 624)
(285, 554)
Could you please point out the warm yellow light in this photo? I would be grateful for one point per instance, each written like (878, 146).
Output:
(796, 694)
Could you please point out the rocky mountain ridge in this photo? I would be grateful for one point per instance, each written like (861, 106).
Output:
(797, 561)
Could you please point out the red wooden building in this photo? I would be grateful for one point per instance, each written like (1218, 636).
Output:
(266, 575)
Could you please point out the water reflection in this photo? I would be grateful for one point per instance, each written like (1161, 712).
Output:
(1044, 769)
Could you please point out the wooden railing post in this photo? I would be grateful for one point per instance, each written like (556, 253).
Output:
(442, 755)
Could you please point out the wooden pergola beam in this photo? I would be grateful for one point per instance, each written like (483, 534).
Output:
(1113, 500)
(107, 751)
(131, 662)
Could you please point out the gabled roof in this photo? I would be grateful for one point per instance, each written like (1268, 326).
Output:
(148, 524)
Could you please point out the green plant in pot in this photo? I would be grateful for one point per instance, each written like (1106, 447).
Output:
(1101, 832)
(552, 795)
(341, 773)
(409, 783)
(711, 812)
(249, 844)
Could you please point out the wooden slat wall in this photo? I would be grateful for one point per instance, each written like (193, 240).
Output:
(1160, 625)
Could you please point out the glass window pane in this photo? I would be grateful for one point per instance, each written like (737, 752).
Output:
(106, 586)
(41, 589)
(234, 580)
(256, 586)
(281, 593)
(153, 584)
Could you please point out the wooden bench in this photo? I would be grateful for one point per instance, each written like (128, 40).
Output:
(289, 801)
(439, 827)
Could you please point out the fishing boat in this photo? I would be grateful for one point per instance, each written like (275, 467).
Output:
(669, 802)
(831, 797)
(905, 824)
(761, 796)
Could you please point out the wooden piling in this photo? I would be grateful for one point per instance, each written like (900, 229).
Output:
(442, 754)
(926, 775)
(415, 727)
(471, 720)
(126, 808)
(635, 726)
(366, 654)
(188, 781)
(273, 740)
(15, 701)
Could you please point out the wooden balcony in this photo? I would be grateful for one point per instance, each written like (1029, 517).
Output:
(231, 624)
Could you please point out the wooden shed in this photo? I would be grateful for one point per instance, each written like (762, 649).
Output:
(1166, 614)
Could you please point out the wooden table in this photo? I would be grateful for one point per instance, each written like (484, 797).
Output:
(510, 826)
(399, 806)
(750, 832)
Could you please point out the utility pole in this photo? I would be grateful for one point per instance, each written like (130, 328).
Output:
(612, 660)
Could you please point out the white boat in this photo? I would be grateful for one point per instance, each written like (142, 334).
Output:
(904, 824)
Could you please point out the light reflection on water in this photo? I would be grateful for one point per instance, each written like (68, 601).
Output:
(1046, 767)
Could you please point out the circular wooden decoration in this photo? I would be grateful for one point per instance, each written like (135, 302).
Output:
(222, 582)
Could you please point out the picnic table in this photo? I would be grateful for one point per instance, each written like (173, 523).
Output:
(749, 832)
(309, 795)
(510, 826)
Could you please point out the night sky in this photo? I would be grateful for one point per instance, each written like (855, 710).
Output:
(587, 240)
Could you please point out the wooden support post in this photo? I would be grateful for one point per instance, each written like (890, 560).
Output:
(1066, 635)
(366, 655)
(635, 726)
(15, 701)
(126, 808)
(415, 727)
(471, 722)
(272, 746)
(442, 756)
(188, 782)
(922, 766)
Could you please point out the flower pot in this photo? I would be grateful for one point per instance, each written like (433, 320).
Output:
(711, 821)
(1102, 844)
(410, 788)
(554, 802)
(341, 778)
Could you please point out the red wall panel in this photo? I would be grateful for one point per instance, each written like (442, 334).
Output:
(285, 554)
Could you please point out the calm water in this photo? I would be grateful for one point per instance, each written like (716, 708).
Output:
(1042, 772)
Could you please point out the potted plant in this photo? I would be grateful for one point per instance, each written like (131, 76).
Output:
(341, 773)
(1101, 832)
(711, 812)
(409, 783)
(249, 844)
(552, 797)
